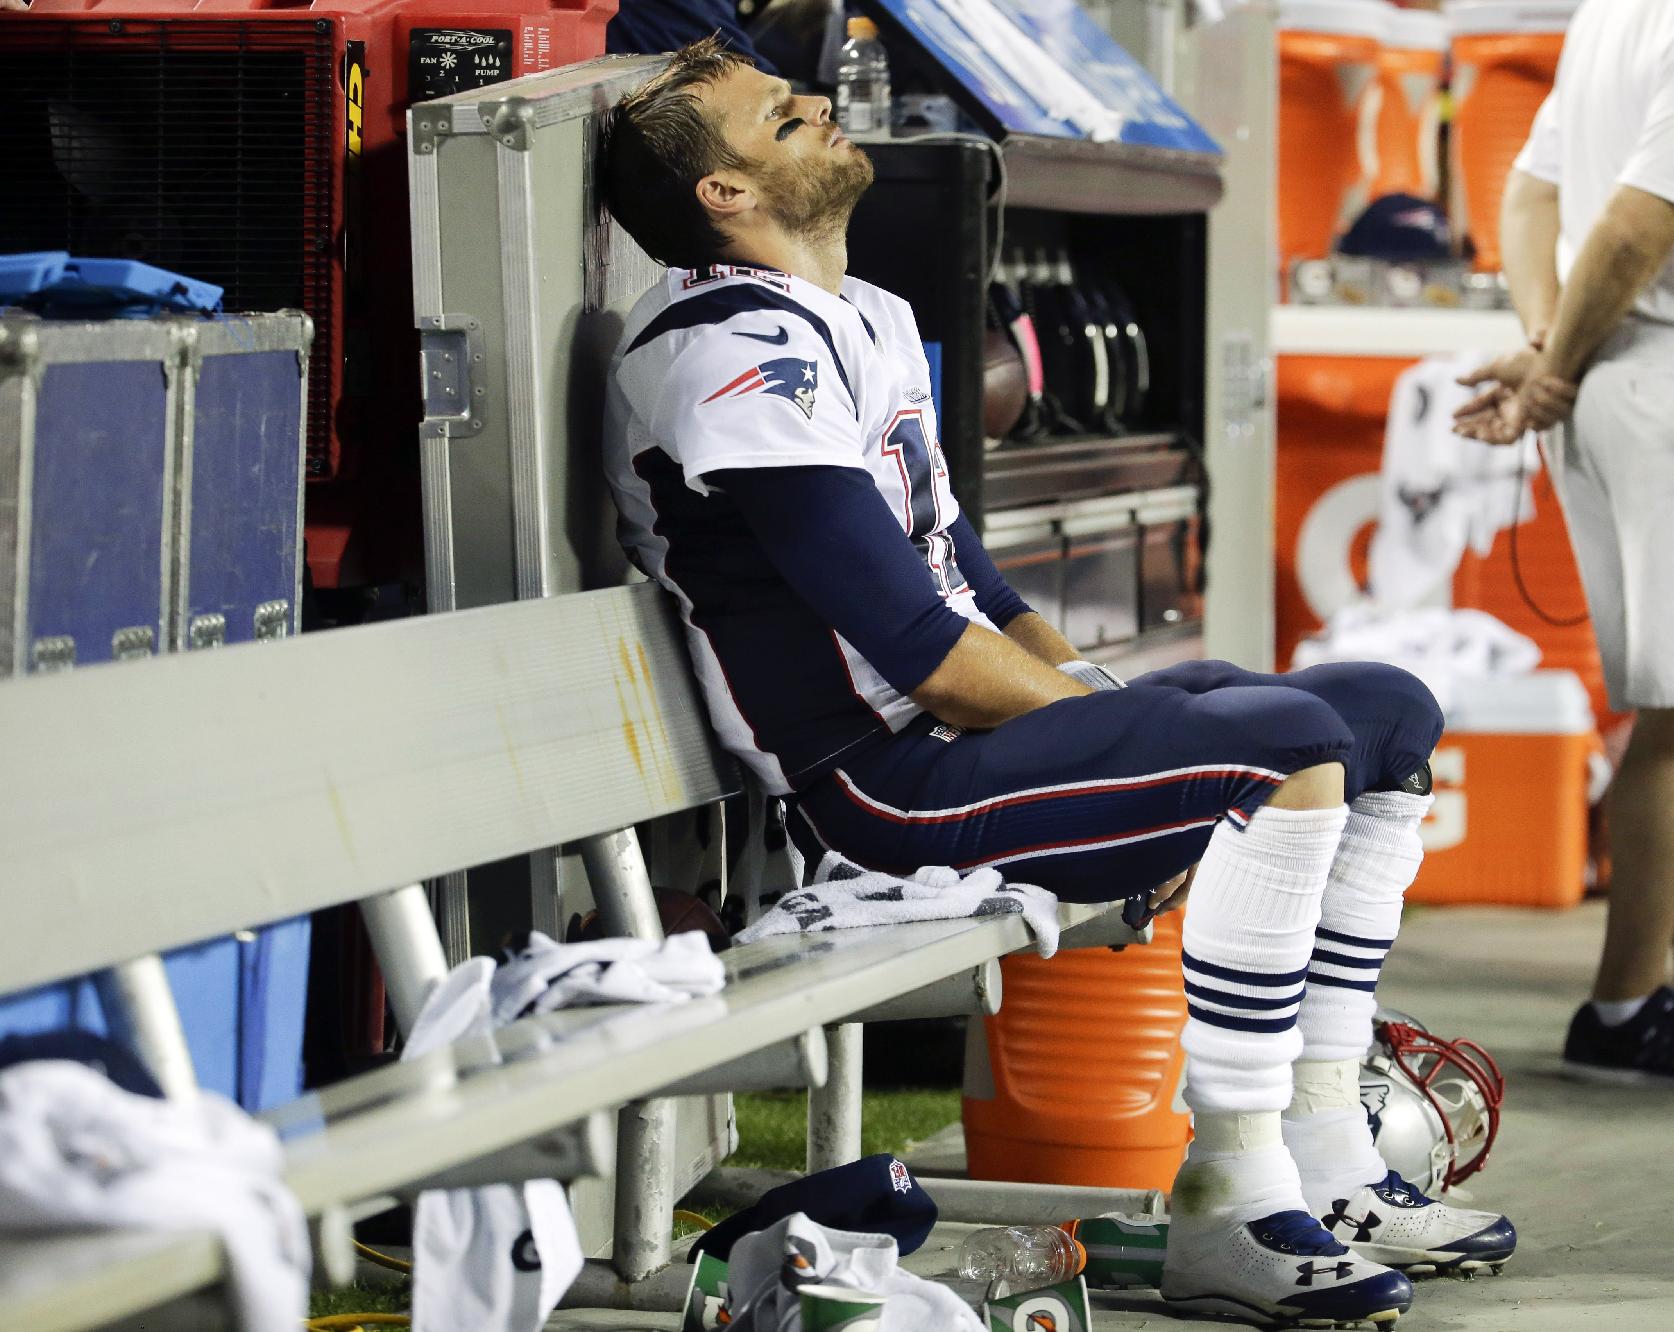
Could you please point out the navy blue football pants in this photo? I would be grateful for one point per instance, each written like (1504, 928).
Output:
(1109, 795)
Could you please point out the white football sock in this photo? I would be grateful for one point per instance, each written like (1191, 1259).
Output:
(1328, 1134)
(1248, 932)
(1236, 1170)
(1360, 916)
(1325, 1127)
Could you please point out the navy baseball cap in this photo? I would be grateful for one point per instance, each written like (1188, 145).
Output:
(876, 1194)
(1399, 228)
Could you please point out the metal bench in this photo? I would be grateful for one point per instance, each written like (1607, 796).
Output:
(167, 801)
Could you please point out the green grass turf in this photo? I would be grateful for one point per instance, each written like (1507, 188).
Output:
(772, 1132)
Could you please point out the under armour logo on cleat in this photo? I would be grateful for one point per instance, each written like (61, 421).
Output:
(1306, 1272)
(1364, 1226)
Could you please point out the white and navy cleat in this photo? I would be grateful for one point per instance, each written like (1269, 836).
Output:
(1281, 1271)
(1392, 1223)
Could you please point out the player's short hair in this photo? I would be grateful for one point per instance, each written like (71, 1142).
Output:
(658, 145)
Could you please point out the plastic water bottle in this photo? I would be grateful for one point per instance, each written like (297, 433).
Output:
(863, 81)
(1025, 1257)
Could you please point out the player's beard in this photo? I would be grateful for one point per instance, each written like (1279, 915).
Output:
(815, 201)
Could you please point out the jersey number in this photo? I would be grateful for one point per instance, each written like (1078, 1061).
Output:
(920, 461)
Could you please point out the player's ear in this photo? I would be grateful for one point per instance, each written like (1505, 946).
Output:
(725, 195)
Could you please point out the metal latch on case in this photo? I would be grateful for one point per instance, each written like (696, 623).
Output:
(272, 620)
(56, 652)
(206, 631)
(132, 644)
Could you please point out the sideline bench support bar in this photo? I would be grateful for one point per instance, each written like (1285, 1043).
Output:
(973, 993)
(644, 1188)
(408, 948)
(621, 885)
(139, 1007)
(834, 1110)
(801, 1061)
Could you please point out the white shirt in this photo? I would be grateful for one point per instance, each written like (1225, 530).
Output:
(1609, 121)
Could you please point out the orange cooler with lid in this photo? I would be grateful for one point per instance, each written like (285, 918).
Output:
(1080, 1082)
(1328, 60)
(1409, 102)
(1505, 56)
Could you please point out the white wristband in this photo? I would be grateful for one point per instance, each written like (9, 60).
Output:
(1092, 675)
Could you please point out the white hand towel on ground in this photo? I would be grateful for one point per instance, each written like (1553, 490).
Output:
(78, 1152)
(498, 1258)
(843, 896)
(762, 1295)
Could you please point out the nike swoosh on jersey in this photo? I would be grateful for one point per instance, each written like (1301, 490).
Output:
(778, 339)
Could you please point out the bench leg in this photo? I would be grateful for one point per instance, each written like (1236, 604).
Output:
(621, 885)
(139, 1009)
(644, 1231)
(408, 949)
(834, 1109)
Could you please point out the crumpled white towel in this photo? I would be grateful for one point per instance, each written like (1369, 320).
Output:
(762, 1294)
(499, 1258)
(544, 976)
(78, 1152)
(843, 896)
(1441, 647)
(1441, 493)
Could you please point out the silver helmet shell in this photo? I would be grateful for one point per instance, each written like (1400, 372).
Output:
(1433, 1103)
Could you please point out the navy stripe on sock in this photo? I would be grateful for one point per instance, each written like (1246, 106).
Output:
(1344, 960)
(1315, 979)
(1231, 1022)
(1336, 936)
(1212, 996)
(1268, 980)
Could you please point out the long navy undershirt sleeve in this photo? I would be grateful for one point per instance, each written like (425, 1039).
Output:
(995, 597)
(830, 535)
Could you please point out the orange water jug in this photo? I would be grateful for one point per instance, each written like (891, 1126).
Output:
(1505, 56)
(1081, 1078)
(1328, 58)
(1408, 103)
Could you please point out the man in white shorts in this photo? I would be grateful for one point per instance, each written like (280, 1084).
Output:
(1587, 230)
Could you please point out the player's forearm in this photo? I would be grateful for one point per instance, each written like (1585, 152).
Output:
(1039, 639)
(1529, 249)
(1625, 249)
(988, 679)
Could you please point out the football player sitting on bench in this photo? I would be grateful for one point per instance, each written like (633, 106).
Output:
(771, 442)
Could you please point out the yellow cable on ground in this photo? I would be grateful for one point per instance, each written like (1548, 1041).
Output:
(693, 1219)
(382, 1259)
(351, 1322)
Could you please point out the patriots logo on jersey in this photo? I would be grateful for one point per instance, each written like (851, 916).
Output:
(788, 377)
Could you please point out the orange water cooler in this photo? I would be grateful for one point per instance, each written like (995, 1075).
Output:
(1328, 62)
(1509, 825)
(1408, 103)
(1505, 56)
(1080, 1080)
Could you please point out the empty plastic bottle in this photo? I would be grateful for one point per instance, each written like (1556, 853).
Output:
(863, 81)
(1025, 1257)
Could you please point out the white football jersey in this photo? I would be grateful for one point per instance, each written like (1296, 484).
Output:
(735, 367)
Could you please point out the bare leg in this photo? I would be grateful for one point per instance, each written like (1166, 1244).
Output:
(1318, 787)
(1640, 925)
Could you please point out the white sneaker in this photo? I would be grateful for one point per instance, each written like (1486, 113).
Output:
(1392, 1223)
(1281, 1270)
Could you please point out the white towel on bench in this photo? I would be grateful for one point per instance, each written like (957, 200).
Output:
(499, 1258)
(844, 896)
(762, 1297)
(544, 976)
(78, 1152)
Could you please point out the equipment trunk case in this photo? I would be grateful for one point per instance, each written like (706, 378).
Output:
(151, 481)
